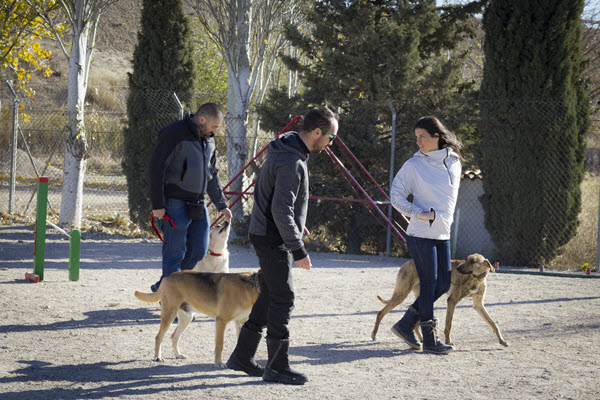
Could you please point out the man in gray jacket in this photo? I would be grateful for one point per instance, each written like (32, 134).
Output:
(276, 228)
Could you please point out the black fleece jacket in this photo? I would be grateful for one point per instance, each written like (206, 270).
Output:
(184, 166)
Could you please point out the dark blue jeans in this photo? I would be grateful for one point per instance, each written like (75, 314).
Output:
(186, 243)
(432, 259)
(275, 303)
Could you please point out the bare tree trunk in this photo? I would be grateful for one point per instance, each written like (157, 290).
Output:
(83, 17)
(237, 128)
(255, 118)
(238, 101)
(249, 35)
(76, 143)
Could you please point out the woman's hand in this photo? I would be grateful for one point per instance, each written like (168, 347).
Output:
(427, 216)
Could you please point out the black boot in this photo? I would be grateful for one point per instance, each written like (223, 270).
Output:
(242, 358)
(405, 328)
(278, 367)
(431, 343)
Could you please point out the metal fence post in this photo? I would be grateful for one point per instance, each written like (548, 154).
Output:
(13, 158)
(393, 148)
(178, 105)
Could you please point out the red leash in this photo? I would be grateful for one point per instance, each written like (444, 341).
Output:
(169, 220)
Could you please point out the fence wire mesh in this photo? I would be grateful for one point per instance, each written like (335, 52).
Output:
(341, 216)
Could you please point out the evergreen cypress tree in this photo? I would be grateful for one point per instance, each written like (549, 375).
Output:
(534, 119)
(162, 64)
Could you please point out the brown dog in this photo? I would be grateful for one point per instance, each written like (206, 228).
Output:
(225, 297)
(468, 280)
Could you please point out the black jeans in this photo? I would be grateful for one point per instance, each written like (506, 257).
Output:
(275, 303)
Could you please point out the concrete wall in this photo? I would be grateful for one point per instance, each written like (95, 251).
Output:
(468, 231)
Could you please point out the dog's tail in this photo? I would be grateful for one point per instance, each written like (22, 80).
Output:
(382, 300)
(147, 297)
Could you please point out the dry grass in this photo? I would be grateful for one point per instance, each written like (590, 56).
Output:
(104, 163)
(593, 137)
(582, 248)
(101, 86)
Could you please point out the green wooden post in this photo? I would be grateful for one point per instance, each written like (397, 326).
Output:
(39, 248)
(74, 254)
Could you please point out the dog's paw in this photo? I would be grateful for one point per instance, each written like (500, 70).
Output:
(181, 356)
(504, 343)
(159, 359)
(373, 337)
(221, 365)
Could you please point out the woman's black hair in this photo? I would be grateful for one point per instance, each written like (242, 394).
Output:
(447, 138)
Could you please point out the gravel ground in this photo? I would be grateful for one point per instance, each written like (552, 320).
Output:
(93, 339)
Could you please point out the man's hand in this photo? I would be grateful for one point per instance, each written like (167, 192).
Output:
(304, 263)
(226, 212)
(160, 213)
(306, 232)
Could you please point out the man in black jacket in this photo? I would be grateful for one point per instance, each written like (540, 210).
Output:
(276, 228)
(183, 168)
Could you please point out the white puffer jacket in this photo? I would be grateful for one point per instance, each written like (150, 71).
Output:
(433, 179)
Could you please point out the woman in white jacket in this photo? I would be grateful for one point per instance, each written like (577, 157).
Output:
(432, 177)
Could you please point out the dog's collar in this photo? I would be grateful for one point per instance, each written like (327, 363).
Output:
(483, 275)
(214, 254)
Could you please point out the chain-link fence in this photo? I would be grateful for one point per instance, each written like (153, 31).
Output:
(349, 205)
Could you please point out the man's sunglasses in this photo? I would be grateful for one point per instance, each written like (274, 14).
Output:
(331, 137)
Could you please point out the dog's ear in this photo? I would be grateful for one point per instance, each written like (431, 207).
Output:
(492, 269)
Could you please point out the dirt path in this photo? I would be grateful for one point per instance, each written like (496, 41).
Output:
(93, 339)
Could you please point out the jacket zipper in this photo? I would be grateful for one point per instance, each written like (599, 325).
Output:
(448, 169)
(183, 171)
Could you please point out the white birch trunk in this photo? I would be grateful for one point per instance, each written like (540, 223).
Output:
(238, 101)
(83, 17)
(237, 128)
(243, 29)
(82, 37)
(255, 118)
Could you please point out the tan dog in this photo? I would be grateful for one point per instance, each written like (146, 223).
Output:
(225, 297)
(217, 257)
(468, 280)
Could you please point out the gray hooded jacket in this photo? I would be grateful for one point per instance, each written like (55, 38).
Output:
(281, 195)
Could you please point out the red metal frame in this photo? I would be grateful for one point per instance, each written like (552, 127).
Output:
(370, 203)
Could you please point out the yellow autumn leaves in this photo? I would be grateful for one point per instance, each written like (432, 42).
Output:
(21, 28)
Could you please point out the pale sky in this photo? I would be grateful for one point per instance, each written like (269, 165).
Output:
(592, 6)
